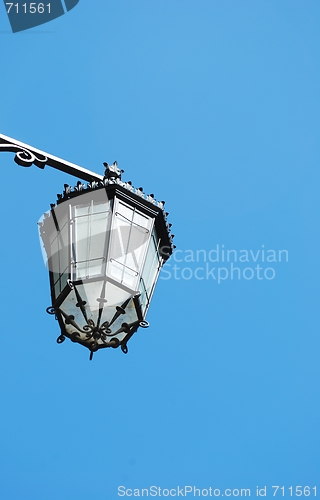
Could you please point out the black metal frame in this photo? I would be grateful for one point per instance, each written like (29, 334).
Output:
(91, 329)
(114, 187)
(26, 156)
(120, 190)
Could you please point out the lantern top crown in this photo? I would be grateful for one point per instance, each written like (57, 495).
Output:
(112, 171)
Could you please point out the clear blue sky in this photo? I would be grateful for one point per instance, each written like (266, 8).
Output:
(213, 105)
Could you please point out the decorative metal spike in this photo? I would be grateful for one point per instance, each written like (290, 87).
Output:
(112, 171)
(124, 348)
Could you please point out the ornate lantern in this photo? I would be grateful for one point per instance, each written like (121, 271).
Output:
(105, 243)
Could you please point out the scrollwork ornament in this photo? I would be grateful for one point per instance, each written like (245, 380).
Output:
(144, 324)
(24, 157)
(51, 310)
(70, 284)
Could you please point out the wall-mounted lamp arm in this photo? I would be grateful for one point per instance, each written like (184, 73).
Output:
(27, 155)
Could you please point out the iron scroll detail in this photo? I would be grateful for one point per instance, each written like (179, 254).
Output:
(24, 157)
(27, 155)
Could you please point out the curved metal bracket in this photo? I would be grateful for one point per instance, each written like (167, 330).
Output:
(27, 155)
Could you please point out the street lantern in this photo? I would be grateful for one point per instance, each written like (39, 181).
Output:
(104, 244)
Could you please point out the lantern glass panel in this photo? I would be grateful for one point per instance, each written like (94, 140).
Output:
(150, 272)
(58, 249)
(90, 236)
(129, 239)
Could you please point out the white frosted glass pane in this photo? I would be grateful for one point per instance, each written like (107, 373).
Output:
(58, 239)
(151, 265)
(61, 213)
(122, 273)
(57, 287)
(60, 281)
(90, 268)
(81, 240)
(59, 223)
(128, 243)
(126, 264)
(152, 252)
(82, 228)
(125, 210)
(64, 253)
(129, 238)
(150, 272)
(64, 234)
(91, 206)
(54, 260)
(91, 235)
(141, 219)
(143, 297)
(82, 210)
